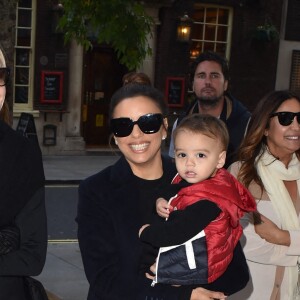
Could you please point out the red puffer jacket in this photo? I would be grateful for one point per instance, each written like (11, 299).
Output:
(222, 234)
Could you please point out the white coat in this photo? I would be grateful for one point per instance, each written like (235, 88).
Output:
(266, 261)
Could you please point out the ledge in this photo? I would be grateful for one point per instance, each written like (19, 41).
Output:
(17, 113)
(60, 112)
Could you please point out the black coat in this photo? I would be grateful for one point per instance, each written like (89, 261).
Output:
(22, 204)
(108, 223)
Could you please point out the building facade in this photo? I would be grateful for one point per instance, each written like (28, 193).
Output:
(67, 90)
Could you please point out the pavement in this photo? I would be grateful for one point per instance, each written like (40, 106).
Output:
(63, 275)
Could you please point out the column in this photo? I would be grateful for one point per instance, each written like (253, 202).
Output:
(73, 139)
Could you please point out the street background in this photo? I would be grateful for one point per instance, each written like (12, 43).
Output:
(63, 275)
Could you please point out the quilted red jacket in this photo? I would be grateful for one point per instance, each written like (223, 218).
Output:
(222, 234)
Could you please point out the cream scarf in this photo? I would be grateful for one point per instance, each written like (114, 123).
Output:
(272, 173)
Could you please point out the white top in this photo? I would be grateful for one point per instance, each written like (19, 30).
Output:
(263, 257)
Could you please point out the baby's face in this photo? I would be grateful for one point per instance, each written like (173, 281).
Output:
(197, 156)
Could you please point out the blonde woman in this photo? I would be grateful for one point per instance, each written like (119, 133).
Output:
(23, 226)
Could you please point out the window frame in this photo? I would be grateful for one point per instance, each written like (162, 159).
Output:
(294, 73)
(18, 108)
(229, 26)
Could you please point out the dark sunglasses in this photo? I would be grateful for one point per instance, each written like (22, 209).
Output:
(286, 118)
(148, 124)
(4, 76)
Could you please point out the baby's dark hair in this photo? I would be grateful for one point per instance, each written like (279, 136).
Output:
(206, 125)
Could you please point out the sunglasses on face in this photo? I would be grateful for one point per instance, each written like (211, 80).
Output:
(148, 124)
(286, 118)
(4, 75)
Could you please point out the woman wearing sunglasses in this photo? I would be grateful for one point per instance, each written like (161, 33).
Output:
(270, 167)
(117, 201)
(23, 224)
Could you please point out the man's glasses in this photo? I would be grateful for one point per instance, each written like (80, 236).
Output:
(286, 118)
(148, 124)
(4, 76)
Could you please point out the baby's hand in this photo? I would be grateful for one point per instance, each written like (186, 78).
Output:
(163, 207)
(142, 228)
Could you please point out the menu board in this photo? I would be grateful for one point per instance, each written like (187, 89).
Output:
(26, 126)
(175, 91)
(51, 87)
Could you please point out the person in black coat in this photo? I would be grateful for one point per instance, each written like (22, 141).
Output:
(116, 202)
(23, 224)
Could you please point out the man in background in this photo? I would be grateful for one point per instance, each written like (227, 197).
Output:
(210, 73)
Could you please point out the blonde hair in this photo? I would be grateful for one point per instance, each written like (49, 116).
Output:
(4, 111)
(2, 59)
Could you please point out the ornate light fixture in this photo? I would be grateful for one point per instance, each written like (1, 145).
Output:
(184, 28)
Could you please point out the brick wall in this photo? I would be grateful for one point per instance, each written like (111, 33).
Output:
(51, 52)
(252, 64)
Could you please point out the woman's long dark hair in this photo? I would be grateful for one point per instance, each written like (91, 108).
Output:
(254, 142)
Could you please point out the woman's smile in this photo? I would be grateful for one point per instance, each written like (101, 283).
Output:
(139, 147)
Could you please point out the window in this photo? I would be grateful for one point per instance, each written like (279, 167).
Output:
(295, 72)
(292, 27)
(24, 55)
(211, 29)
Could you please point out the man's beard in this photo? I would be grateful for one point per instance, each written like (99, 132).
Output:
(209, 102)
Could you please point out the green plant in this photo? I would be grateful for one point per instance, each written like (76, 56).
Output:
(122, 24)
(266, 32)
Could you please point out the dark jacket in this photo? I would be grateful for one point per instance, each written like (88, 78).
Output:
(236, 124)
(108, 220)
(22, 204)
(108, 223)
